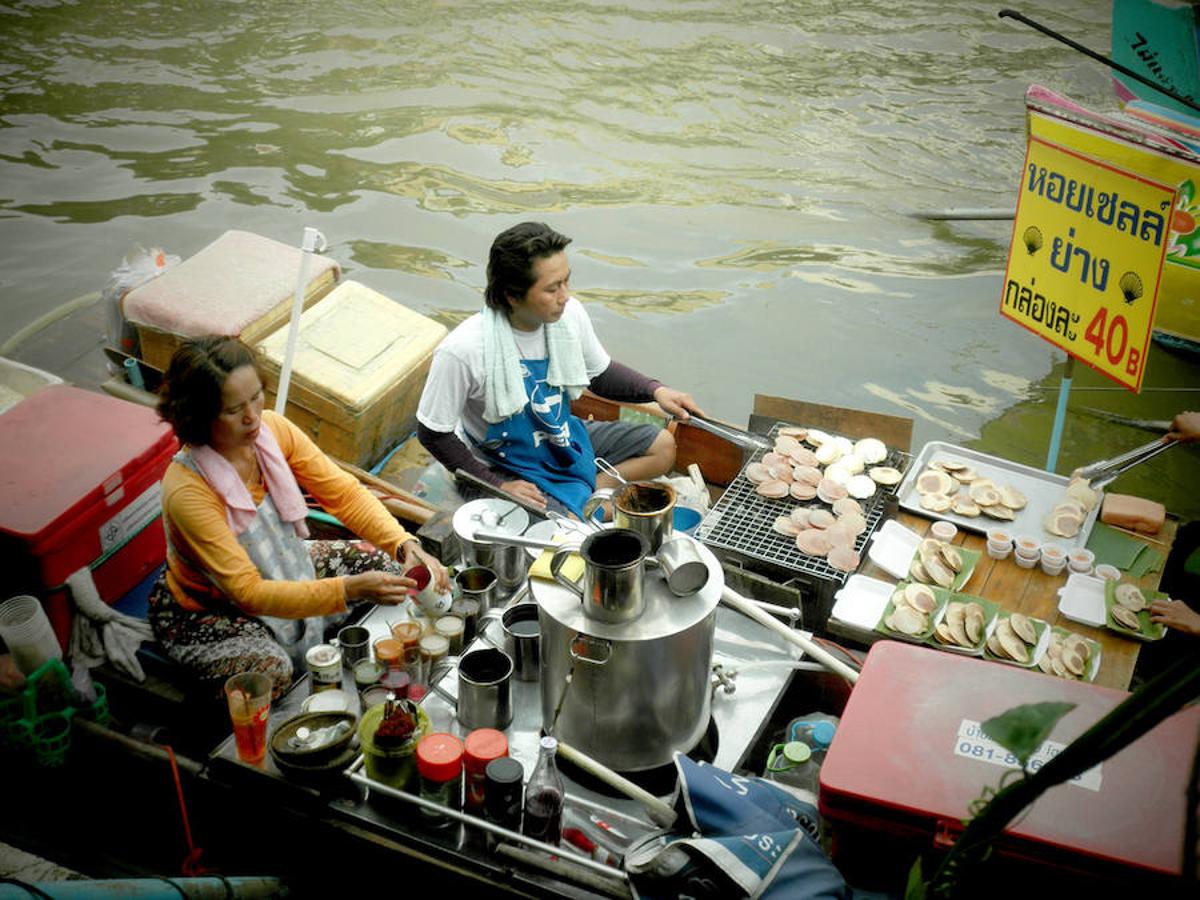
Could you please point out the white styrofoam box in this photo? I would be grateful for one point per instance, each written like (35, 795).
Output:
(1081, 599)
(893, 547)
(861, 601)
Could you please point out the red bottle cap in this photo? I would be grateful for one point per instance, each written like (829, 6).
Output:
(482, 746)
(439, 756)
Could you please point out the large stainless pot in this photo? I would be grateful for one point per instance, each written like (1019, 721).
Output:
(640, 690)
(509, 562)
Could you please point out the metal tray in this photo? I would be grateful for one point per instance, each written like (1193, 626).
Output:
(1042, 489)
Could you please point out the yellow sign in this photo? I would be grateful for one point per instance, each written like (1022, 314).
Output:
(1086, 258)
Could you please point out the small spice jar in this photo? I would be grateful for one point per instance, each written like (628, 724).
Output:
(451, 628)
(502, 801)
(481, 747)
(390, 652)
(440, 765)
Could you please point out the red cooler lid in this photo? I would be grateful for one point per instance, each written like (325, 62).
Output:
(64, 449)
(909, 747)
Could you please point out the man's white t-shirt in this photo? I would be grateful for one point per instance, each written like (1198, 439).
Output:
(453, 399)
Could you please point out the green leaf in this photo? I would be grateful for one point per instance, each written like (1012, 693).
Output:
(1187, 190)
(1022, 729)
(915, 889)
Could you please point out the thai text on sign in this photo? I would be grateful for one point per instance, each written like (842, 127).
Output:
(1086, 258)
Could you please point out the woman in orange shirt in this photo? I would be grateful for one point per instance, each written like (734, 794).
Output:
(240, 576)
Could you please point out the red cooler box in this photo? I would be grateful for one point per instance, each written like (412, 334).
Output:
(80, 485)
(909, 757)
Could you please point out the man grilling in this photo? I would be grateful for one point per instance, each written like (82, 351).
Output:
(497, 400)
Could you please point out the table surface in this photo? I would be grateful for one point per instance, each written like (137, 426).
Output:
(1034, 593)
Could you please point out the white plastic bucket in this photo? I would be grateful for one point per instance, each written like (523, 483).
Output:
(27, 632)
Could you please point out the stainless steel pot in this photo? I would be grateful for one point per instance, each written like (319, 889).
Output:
(509, 562)
(639, 690)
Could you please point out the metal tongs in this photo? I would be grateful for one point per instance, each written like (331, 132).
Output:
(733, 435)
(1100, 474)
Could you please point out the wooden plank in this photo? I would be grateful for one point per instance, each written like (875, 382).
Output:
(895, 431)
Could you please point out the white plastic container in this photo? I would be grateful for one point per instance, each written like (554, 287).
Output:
(1025, 562)
(27, 632)
(1053, 568)
(1082, 599)
(999, 552)
(943, 530)
(893, 547)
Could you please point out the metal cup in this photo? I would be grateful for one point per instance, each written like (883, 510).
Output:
(522, 638)
(682, 565)
(647, 507)
(355, 643)
(484, 689)
(479, 584)
(612, 575)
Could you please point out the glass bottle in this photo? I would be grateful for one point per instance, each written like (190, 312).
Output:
(544, 796)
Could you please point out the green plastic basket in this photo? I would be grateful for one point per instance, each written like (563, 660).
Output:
(52, 738)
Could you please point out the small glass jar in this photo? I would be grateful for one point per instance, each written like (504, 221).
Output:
(440, 766)
(408, 633)
(481, 747)
(502, 800)
(451, 628)
(368, 672)
(467, 609)
(390, 652)
(434, 647)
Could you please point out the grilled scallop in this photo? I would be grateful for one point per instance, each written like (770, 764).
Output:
(885, 475)
(1126, 618)
(1023, 628)
(1130, 597)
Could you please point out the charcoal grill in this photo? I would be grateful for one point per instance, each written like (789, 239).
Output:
(738, 528)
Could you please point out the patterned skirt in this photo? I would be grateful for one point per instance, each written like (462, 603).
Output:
(214, 644)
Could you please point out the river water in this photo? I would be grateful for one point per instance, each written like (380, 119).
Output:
(740, 179)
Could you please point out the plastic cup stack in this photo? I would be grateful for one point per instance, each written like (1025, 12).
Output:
(1054, 559)
(1080, 560)
(943, 530)
(999, 543)
(1028, 551)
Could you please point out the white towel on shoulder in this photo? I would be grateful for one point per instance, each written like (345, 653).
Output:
(504, 388)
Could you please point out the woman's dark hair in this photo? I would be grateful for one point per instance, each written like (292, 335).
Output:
(510, 263)
(190, 397)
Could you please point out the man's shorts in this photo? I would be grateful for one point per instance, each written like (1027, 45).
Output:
(618, 441)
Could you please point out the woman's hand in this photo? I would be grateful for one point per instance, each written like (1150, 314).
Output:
(677, 403)
(379, 587)
(1176, 614)
(412, 554)
(1185, 428)
(527, 491)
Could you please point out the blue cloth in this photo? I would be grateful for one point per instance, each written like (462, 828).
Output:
(751, 838)
(544, 443)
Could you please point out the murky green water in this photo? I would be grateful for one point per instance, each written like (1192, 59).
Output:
(739, 178)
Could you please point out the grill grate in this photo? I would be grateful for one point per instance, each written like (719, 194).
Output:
(740, 523)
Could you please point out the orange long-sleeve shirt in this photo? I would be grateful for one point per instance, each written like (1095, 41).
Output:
(205, 562)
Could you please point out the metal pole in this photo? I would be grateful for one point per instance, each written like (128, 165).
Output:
(1060, 414)
(313, 242)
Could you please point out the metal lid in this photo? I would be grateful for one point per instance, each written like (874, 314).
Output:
(665, 614)
(487, 512)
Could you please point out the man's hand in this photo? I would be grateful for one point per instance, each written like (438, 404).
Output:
(527, 491)
(1185, 428)
(413, 554)
(1176, 614)
(677, 403)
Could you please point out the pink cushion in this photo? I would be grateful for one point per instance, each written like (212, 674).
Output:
(233, 282)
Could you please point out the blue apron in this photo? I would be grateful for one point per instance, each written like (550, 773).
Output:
(544, 443)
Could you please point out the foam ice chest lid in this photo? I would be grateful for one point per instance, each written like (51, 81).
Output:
(861, 601)
(1081, 599)
(893, 547)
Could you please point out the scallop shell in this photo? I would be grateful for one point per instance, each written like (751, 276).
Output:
(939, 572)
(756, 473)
(1012, 498)
(786, 525)
(943, 633)
(1130, 597)
(966, 476)
(845, 506)
(808, 474)
(1046, 663)
(813, 542)
(950, 465)
(780, 471)
(838, 473)
(843, 558)
(829, 452)
(952, 557)
(1126, 618)
(851, 464)
(984, 495)
(935, 502)
(816, 437)
(920, 597)
(885, 475)
(973, 622)
(802, 490)
(769, 459)
(861, 486)
(998, 511)
(996, 648)
(773, 489)
(917, 572)
(793, 431)
(964, 506)
(906, 620)
(1073, 663)
(800, 515)
(1013, 646)
(853, 523)
(784, 445)
(1023, 628)
(830, 491)
(1077, 644)
(932, 481)
(821, 518)
(802, 456)
(871, 451)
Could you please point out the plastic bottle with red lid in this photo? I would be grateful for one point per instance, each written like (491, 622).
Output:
(480, 748)
(440, 765)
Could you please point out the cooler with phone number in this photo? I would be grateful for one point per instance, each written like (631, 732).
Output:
(80, 485)
(909, 757)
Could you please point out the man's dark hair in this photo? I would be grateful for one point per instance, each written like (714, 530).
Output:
(190, 397)
(510, 263)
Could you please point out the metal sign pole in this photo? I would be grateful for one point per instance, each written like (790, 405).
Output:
(1060, 414)
(313, 242)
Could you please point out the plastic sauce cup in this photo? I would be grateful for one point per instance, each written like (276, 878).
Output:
(1108, 573)
(943, 530)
